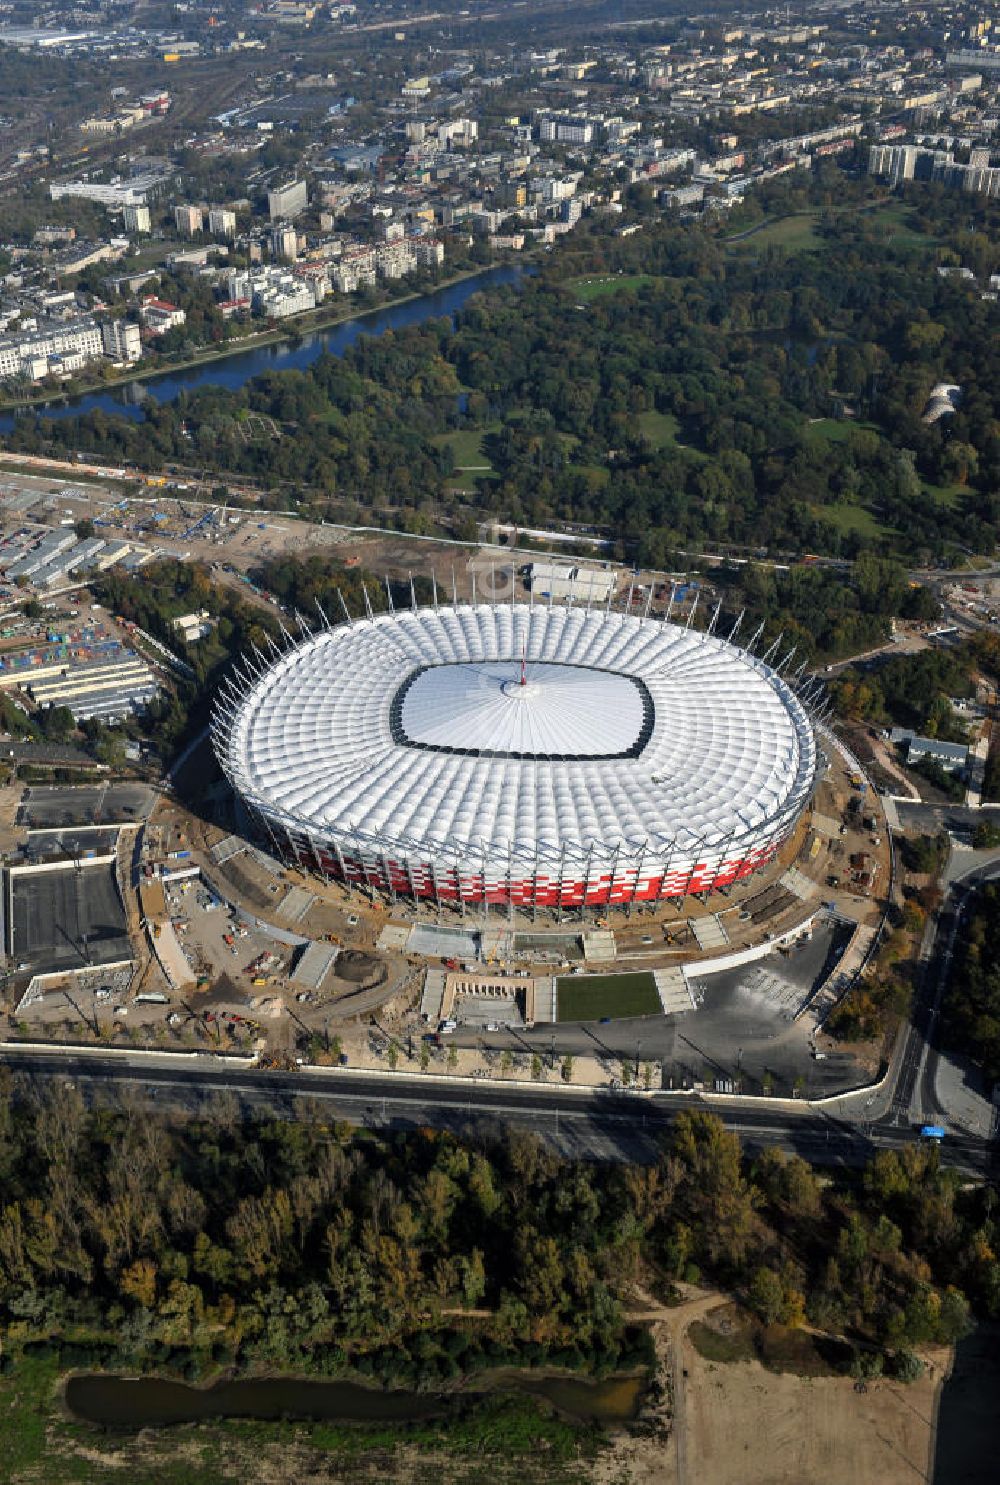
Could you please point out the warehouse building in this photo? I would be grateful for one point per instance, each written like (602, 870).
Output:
(106, 689)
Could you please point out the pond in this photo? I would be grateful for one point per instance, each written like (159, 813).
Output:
(139, 1402)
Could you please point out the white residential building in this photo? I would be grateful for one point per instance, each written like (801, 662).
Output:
(221, 222)
(136, 218)
(287, 201)
(59, 349)
(122, 340)
(158, 316)
(189, 219)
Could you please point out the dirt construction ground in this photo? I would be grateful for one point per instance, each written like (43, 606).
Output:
(741, 1424)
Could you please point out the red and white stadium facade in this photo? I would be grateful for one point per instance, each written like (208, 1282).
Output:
(520, 755)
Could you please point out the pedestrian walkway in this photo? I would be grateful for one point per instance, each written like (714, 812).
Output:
(674, 991)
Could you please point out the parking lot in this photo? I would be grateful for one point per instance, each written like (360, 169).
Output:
(83, 840)
(67, 919)
(98, 804)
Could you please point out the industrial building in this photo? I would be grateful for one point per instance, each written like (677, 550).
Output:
(566, 580)
(107, 688)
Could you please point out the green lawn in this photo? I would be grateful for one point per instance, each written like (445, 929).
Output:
(835, 430)
(597, 288)
(795, 234)
(893, 219)
(850, 518)
(946, 495)
(598, 474)
(467, 448)
(798, 233)
(589, 997)
(659, 428)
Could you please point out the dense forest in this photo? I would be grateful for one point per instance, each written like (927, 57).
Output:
(262, 1242)
(970, 1020)
(909, 690)
(825, 612)
(676, 387)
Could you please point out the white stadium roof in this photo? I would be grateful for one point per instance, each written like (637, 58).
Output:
(411, 734)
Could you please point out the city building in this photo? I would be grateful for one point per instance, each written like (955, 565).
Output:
(136, 218)
(287, 201)
(221, 222)
(158, 316)
(122, 340)
(134, 191)
(284, 244)
(57, 350)
(189, 219)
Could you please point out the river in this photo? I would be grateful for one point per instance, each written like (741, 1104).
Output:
(138, 1402)
(234, 371)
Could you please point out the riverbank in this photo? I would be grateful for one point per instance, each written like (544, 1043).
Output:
(300, 328)
(492, 1434)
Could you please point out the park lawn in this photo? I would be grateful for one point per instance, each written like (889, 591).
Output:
(795, 234)
(598, 474)
(894, 219)
(589, 997)
(835, 430)
(467, 448)
(588, 289)
(946, 495)
(660, 429)
(850, 519)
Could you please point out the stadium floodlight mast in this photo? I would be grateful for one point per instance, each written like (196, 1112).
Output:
(393, 751)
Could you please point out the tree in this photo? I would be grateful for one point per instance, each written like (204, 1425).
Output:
(766, 1296)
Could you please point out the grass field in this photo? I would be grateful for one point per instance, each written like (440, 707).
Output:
(795, 234)
(660, 429)
(835, 430)
(946, 495)
(799, 234)
(467, 448)
(852, 518)
(588, 289)
(893, 220)
(589, 997)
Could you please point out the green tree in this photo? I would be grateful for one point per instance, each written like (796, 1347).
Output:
(766, 1296)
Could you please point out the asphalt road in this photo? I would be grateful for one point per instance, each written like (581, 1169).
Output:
(597, 1125)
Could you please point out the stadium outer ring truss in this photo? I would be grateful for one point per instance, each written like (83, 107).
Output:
(520, 755)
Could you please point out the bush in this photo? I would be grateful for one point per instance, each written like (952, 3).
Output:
(907, 1367)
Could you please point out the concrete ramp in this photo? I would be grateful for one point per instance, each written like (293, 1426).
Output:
(799, 885)
(674, 991)
(709, 932)
(599, 945)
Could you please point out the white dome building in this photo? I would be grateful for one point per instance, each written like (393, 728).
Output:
(521, 755)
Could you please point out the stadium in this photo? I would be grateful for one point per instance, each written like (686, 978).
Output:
(520, 755)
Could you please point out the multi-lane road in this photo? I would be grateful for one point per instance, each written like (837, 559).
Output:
(594, 1124)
